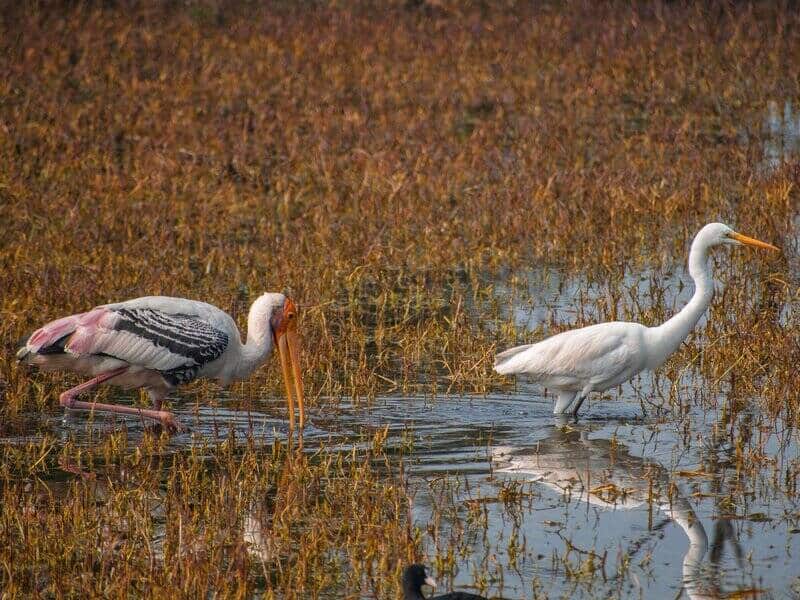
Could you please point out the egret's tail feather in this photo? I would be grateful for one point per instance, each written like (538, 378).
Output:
(504, 362)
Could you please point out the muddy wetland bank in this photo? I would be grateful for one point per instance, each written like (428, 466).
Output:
(432, 183)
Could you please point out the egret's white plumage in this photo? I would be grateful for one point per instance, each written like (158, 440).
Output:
(595, 358)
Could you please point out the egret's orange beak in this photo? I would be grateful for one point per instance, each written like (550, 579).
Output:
(748, 241)
(284, 331)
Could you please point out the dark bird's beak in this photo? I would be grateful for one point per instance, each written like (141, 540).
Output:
(284, 330)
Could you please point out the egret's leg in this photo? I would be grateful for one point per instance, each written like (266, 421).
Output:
(584, 393)
(563, 402)
(68, 400)
(562, 419)
(578, 405)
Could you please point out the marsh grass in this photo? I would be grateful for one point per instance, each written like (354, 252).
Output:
(401, 170)
(230, 519)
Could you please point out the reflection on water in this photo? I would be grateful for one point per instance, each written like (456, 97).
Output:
(608, 491)
(604, 474)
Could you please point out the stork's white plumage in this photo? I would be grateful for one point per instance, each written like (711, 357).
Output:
(158, 343)
(596, 358)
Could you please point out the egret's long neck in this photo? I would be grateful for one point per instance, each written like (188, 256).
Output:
(258, 346)
(680, 510)
(665, 339)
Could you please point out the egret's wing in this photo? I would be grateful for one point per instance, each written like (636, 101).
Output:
(512, 360)
(581, 354)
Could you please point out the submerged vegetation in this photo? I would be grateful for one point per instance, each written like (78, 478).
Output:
(417, 175)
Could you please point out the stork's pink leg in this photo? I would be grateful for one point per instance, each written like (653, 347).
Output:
(67, 400)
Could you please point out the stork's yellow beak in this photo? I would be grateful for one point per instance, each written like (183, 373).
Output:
(748, 241)
(289, 350)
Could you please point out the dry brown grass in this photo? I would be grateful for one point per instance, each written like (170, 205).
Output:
(382, 164)
(362, 158)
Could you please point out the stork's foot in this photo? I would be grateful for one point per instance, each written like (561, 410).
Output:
(170, 423)
(66, 400)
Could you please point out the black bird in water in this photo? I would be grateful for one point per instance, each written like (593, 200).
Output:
(414, 576)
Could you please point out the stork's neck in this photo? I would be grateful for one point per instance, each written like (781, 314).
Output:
(666, 338)
(258, 345)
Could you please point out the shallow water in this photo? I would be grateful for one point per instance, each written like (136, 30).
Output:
(637, 498)
(654, 492)
(655, 502)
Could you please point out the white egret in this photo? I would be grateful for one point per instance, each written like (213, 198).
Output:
(595, 358)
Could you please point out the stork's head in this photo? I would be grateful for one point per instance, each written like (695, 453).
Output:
(281, 312)
(283, 317)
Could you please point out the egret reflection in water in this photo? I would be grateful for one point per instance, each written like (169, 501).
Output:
(603, 474)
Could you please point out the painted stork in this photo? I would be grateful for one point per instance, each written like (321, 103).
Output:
(158, 343)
